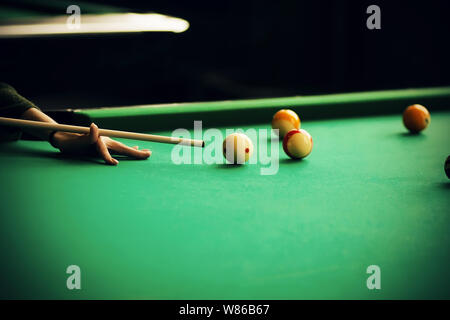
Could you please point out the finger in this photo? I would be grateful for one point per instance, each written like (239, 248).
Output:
(122, 149)
(104, 153)
(93, 133)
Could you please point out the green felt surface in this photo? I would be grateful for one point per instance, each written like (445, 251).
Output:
(368, 194)
(335, 101)
(254, 111)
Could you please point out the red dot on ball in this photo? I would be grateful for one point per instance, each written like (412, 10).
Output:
(247, 150)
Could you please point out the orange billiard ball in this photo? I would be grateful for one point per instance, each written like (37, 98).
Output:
(297, 143)
(416, 118)
(285, 120)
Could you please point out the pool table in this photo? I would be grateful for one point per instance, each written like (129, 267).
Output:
(370, 193)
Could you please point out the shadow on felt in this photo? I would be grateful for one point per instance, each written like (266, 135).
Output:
(289, 161)
(11, 149)
(410, 135)
(444, 185)
(230, 166)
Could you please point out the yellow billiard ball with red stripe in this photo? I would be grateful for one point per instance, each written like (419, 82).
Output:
(416, 118)
(297, 143)
(285, 120)
(237, 148)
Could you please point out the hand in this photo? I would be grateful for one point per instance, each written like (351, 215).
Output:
(92, 143)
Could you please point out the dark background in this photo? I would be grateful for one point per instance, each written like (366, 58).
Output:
(237, 49)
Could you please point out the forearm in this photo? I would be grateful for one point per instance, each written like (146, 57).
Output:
(13, 105)
(59, 139)
(37, 115)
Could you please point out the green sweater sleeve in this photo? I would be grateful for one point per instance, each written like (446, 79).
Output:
(12, 105)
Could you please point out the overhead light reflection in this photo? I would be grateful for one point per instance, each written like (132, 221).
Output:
(96, 24)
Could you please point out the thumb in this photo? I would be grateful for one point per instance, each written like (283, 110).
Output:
(93, 133)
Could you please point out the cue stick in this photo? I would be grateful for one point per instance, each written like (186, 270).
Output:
(102, 132)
